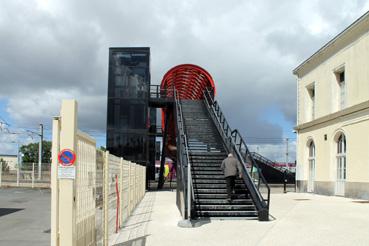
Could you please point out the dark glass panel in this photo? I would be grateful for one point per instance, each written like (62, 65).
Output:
(128, 122)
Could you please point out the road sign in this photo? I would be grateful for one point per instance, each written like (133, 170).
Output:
(67, 157)
(66, 168)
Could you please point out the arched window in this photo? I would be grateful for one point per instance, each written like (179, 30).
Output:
(341, 157)
(341, 163)
(311, 167)
(341, 145)
(311, 150)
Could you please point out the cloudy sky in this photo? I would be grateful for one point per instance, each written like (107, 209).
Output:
(51, 50)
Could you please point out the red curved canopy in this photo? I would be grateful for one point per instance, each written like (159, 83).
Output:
(190, 81)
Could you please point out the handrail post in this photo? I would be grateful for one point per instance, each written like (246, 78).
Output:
(188, 191)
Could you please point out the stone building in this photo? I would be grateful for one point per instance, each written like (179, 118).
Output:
(333, 116)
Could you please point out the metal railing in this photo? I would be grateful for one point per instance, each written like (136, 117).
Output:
(184, 160)
(252, 176)
(156, 92)
(25, 176)
(268, 162)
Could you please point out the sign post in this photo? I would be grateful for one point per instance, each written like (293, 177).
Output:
(66, 177)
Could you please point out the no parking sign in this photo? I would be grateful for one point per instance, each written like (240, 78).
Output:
(66, 168)
(67, 157)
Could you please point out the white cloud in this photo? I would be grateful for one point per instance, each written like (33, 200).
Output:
(59, 49)
(33, 109)
(9, 143)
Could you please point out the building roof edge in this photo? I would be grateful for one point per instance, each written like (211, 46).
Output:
(329, 43)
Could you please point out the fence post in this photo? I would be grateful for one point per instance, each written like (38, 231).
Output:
(129, 190)
(67, 194)
(141, 178)
(135, 185)
(54, 183)
(133, 180)
(121, 194)
(1, 171)
(144, 178)
(106, 199)
(18, 175)
(33, 175)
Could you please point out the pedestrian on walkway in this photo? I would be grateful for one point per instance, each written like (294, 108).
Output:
(231, 166)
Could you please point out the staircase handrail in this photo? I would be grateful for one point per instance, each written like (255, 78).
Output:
(267, 161)
(185, 162)
(230, 137)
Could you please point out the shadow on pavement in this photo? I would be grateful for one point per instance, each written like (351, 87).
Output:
(6, 211)
(140, 241)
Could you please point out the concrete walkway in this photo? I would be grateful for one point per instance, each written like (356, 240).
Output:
(300, 219)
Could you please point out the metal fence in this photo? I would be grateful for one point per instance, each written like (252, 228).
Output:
(99, 198)
(85, 189)
(26, 176)
(124, 187)
(88, 208)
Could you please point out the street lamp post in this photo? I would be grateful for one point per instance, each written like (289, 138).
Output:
(287, 167)
(40, 151)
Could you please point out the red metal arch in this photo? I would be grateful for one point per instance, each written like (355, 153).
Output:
(190, 82)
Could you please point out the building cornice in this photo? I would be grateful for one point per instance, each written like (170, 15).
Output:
(331, 117)
(343, 39)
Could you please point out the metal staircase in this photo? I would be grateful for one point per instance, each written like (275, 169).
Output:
(206, 153)
(204, 138)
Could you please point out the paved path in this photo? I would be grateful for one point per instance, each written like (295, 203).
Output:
(300, 219)
(29, 222)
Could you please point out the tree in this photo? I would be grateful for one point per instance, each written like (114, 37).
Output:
(4, 165)
(30, 152)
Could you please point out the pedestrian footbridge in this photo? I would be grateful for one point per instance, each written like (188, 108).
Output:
(197, 136)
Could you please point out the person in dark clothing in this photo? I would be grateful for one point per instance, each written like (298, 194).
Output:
(231, 166)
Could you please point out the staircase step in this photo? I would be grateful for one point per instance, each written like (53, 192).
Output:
(224, 201)
(208, 148)
(217, 186)
(196, 150)
(205, 213)
(217, 191)
(208, 176)
(206, 172)
(215, 181)
(218, 196)
(206, 158)
(203, 130)
(206, 168)
(205, 137)
(209, 145)
(229, 207)
(206, 153)
(202, 164)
